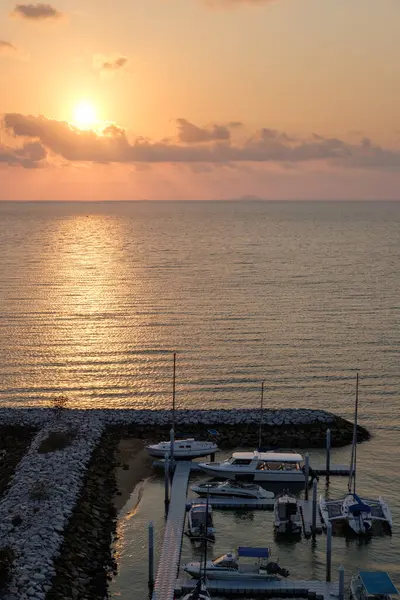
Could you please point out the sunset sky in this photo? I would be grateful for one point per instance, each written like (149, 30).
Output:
(193, 99)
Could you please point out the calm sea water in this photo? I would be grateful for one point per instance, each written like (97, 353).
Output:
(94, 298)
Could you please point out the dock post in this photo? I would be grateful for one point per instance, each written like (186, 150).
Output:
(328, 551)
(341, 582)
(314, 507)
(166, 482)
(151, 556)
(172, 445)
(306, 474)
(328, 454)
(212, 457)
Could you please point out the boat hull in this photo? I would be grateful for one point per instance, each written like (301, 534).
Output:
(233, 574)
(188, 455)
(254, 476)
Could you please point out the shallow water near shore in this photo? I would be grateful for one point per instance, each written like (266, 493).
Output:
(377, 475)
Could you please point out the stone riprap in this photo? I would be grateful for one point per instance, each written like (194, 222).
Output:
(39, 501)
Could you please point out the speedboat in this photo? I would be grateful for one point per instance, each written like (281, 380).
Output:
(372, 585)
(200, 592)
(183, 449)
(287, 514)
(284, 467)
(200, 523)
(231, 489)
(358, 513)
(230, 566)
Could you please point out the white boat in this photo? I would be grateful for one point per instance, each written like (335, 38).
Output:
(200, 522)
(281, 467)
(372, 585)
(183, 449)
(230, 566)
(200, 592)
(231, 489)
(287, 514)
(357, 513)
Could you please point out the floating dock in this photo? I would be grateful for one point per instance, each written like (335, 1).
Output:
(319, 590)
(168, 566)
(306, 517)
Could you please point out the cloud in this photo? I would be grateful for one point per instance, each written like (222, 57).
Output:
(37, 12)
(192, 134)
(28, 156)
(109, 63)
(267, 146)
(7, 47)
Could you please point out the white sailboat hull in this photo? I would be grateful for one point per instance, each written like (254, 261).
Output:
(232, 472)
(183, 449)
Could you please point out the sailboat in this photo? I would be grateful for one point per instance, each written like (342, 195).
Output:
(358, 513)
(200, 591)
(181, 449)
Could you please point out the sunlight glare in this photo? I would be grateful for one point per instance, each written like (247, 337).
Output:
(84, 115)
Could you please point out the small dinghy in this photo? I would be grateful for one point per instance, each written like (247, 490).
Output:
(372, 585)
(287, 514)
(200, 523)
(231, 566)
(231, 489)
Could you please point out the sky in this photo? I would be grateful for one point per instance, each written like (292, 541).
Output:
(200, 99)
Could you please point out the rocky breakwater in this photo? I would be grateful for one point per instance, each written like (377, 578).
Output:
(301, 428)
(40, 500)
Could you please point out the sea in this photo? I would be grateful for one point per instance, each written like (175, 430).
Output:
(96, 297)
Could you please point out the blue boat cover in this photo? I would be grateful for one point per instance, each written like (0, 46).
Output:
(377, 582)
(361, 507)
(212, 431)
(253, 552)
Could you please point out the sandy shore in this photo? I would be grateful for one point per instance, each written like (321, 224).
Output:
(131, 452)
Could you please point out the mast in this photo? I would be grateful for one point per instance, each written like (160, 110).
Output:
(205, 540)
(261, 414)
(352, 474)
(355, 438)
(173, 393)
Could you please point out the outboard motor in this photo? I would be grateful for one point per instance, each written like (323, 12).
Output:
(274, 569)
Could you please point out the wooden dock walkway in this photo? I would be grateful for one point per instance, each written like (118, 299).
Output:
(168, 566)
(266, 588)
(236, 503)
(306, 514)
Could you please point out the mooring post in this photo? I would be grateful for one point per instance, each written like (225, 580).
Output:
(328, 551)
(306, 474)
(341, 582)
(151, 556)
(172, 446)
(314, 507)
(166, 482)
(328, 454)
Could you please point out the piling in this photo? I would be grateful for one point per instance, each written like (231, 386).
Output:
(341, 582)
(151, 556)
(328, 551)
(306, 474)
(172, 445)
(166, 483)
(314, 507)
(328, 454)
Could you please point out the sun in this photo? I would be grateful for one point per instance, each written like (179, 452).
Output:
(84, 115)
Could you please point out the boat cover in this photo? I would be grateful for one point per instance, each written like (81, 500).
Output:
(212, 431)
(361, 507)
(377, 582)
(253, 552)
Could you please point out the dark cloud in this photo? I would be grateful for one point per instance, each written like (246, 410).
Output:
(37, 12)
(28, 156)
(7, 47)
(192, 134)
(109, 63)
(266, 146)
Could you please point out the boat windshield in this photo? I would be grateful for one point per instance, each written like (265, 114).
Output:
(240, 461)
